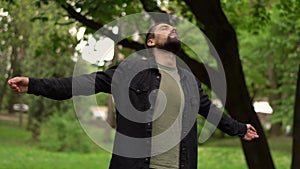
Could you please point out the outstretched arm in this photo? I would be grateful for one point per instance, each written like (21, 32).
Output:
(53, 88)
(64, 88)
(226, 123)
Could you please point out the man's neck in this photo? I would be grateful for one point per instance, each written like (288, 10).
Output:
(165, 58)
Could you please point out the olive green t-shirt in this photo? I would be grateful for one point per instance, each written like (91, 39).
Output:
(167, 120)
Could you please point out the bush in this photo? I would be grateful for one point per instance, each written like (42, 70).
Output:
(64, 133)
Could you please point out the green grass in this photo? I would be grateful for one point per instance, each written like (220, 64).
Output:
(221, 158)
(31, 158)
(18, 152)
(229, 154)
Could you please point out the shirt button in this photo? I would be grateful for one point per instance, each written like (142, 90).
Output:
(182, 165)
(146, 159)
(148, 124)
(157, 77)
(138, 90)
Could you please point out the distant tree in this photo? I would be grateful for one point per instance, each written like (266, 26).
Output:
(11, 52)
(270, 59)
(42, 47)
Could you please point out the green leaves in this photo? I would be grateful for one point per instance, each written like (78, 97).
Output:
(274, 47)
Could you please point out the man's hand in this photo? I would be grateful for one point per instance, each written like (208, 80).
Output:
(19, 84)
(251, 133)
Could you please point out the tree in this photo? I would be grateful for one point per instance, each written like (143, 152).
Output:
(40, 42)
(272, 53)
(296, 126)
(5, 70)
(274, 50)
(223, 36)
(11, 52)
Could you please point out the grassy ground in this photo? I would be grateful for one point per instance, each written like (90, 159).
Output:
(229, 151)
(17, 152)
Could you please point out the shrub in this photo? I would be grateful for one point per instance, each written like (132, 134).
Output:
(64, 133)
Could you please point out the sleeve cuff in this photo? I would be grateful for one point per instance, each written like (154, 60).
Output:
(32, 88)
(243, 130)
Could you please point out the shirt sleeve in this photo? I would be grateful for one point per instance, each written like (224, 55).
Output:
(65, 88)
(226, 124)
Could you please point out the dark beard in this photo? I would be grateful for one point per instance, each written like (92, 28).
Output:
(172, 45)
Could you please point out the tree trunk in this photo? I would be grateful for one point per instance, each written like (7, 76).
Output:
(29, 121)
(222, 35)
(36, 132)
(274, 97)
(3, 91)
(15, 70)
(36, 119)
(296, 127)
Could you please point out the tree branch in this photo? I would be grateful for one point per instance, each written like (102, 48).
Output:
(151, 6)
(80, 18)
(198, 68)
(95, 26)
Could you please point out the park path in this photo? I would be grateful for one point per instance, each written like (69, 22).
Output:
(9, 117)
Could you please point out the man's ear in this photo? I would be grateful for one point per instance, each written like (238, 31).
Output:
(150, 42)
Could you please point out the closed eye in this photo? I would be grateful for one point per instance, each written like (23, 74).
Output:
(164, 27)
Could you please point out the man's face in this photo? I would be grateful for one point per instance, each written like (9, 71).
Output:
(166, 37)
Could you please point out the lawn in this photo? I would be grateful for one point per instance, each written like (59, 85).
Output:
(17, 152)
(227, 153)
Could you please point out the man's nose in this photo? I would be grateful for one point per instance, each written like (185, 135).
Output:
(173, 30)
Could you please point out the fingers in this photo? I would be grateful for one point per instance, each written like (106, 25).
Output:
(13, 83)
(13, 80)
(19, 81)
(18, 84)
(251, 133)
(250, 137)
(254, 137)
(254, 134)
(15, 88)
(250, 127)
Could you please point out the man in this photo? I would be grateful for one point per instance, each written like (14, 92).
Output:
(156, 100)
